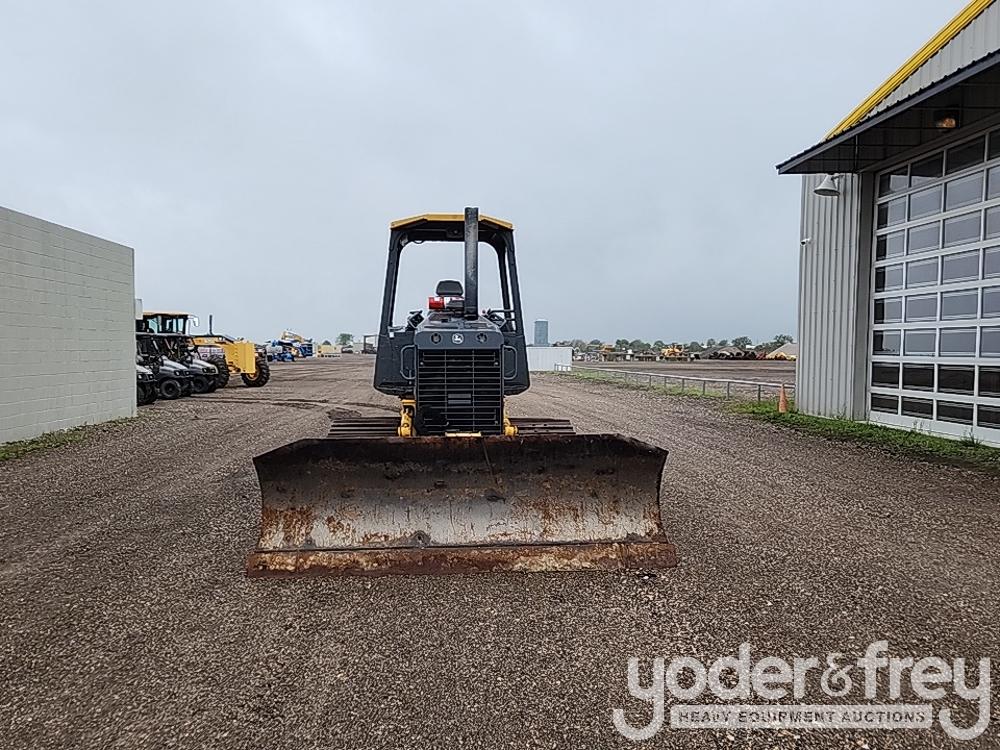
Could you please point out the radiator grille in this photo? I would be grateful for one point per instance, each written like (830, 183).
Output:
(459, 390)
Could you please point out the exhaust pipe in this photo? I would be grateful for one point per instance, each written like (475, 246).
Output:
(471, 263)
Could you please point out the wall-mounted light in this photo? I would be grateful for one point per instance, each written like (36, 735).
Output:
(828, 187)
(946, 119)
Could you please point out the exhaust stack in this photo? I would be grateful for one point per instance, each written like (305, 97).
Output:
(471, 262)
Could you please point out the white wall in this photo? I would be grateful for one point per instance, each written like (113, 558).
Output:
(545, 358)
(67, 329)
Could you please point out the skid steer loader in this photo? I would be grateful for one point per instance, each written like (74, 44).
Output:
(454, 484)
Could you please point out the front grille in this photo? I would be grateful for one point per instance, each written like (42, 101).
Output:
(459, 390)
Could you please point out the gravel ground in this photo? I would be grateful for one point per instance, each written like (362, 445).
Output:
(126, 620)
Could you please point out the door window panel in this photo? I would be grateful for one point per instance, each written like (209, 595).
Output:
(958, 342)
(993, 183)
(889, 310)
(893, 182)
(919, 342)
(918, 377)
(923, 307)
(991, 302)
(989, 382)
(889, 245)
(960, 267)
(956, 379)
(991, 262)
(966, 155)
(885, 342)
(963, 192)
(922, 273)
(924, 238)
(927, 202)
(988, 416)
(964, 304)
(887, 404)
(888, 277)
(918, 407)
(949, 411)
(925, 171)
(891, 212)
(993, 222)
(962, 229)
(989, 345)
(885, 375)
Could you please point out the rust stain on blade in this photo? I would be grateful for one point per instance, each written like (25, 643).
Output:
(454, 560)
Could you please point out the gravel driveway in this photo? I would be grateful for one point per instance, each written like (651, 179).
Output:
(126, 620)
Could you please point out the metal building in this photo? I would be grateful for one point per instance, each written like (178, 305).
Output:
(67, 329)
(899, 258)
(541, 333)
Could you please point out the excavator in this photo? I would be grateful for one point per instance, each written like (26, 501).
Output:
(455, 483)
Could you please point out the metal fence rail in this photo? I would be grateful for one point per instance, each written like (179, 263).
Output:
(733, 387)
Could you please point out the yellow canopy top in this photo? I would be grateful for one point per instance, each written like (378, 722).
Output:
(460, 218)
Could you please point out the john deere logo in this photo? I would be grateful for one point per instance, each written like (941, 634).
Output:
(457, 338)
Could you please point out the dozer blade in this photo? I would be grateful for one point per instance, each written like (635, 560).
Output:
(459, 505)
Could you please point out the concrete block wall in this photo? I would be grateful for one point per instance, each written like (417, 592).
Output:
(67, 328)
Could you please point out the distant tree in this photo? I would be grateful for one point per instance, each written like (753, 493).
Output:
(326, 342)
(694, 346)
(782, 338)
(596, 342)
(659, 344)
(621, 344)
(638, 345)
(724, 342)
(343, 339)
(742, 342)
(709, 343)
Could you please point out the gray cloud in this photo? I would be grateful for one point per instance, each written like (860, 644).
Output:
(253, 153)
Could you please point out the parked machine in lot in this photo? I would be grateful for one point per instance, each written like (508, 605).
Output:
(173, 379)
(228, 355)
(145, 385)
(454, 483)
(181, 348)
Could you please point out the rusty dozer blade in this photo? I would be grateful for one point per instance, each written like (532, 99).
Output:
(459, 505)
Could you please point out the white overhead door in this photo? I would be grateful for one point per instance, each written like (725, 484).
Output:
(935, 315)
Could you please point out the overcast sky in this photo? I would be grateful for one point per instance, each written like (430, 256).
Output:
(253, 153)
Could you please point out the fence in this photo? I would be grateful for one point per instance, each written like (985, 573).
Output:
(706, 386)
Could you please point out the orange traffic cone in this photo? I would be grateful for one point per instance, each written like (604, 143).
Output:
(782, 401)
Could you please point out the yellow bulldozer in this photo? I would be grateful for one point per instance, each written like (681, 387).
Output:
(229, 355)
(454, 483)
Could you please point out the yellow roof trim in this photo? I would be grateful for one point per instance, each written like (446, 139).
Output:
(922, 55)
(448, 217)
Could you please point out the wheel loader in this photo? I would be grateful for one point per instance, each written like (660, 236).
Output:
(454, 483)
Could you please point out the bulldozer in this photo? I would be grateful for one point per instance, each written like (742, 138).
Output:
(454, 483)
(227, 354)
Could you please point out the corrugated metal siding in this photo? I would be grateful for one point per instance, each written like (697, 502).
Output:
(975, 41)
(830, 267)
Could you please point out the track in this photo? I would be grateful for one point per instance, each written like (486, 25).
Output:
(126, 620)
